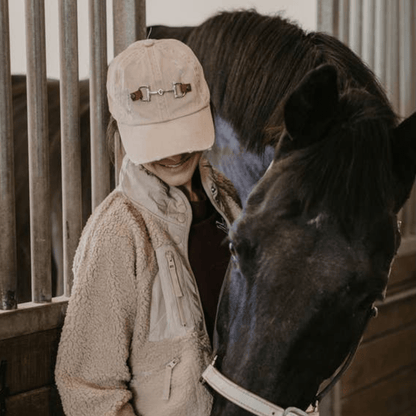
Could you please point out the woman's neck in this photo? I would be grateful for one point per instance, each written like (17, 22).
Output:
(193, 194)
(193, 189)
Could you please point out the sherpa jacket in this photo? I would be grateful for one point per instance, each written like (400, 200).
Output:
(134, 340)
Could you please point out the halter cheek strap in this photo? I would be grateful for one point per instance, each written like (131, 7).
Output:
(245, 399)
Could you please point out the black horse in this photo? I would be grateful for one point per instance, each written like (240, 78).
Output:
(314, 244)
(313, 247)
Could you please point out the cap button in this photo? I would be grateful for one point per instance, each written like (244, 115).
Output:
(149, 42)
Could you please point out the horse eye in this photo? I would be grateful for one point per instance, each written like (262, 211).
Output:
(232, 251)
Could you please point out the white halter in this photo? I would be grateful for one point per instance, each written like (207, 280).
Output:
(247, 400)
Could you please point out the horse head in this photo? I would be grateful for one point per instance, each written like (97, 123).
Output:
(312, 250)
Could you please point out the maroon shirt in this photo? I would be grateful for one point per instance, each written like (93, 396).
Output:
(209, 256)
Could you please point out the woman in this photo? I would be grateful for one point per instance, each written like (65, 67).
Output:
(150, 262)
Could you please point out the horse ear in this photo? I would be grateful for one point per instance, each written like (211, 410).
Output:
(404, 158)
(312, 106)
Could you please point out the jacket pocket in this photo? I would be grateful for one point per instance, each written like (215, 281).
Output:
(154, 384)
(177, 289)
(167, 383)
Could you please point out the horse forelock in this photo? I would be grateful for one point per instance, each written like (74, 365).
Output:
(349, 171)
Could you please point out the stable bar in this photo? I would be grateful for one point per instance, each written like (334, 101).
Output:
(8, 278)
(356, 17)
(40, 230)
(407, 88)
(331, 404)
(406, 59)
(367, 51)
(100, 164)
(344, 21)
(380, 40)
(70, 140)
(129, 25)
(33, 317)
(409, 216)
(328, 16)
(412, 205)
(393, 63)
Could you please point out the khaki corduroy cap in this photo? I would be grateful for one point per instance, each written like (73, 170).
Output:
(159, 97)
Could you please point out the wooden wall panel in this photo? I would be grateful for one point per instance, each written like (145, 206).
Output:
(392, 397)
(382, 378)
(392, 317)
(30, 374)
(403, 274)
(40, 402)
(30, 360)
(380, 359)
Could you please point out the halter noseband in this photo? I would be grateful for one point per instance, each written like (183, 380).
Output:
(261, 407)
(244, 398)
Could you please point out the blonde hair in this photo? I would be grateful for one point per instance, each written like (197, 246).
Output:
(113, 139)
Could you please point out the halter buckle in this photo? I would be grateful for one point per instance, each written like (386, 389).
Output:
(201, 379)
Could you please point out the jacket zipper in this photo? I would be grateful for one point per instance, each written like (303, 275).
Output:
(168, 378)
(176, 285)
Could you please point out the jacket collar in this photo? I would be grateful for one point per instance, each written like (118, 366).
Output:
(147, 191)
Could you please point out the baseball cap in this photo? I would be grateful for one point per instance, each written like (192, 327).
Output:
(159, 97)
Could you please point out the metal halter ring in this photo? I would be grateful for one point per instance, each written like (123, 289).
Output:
(294, 411)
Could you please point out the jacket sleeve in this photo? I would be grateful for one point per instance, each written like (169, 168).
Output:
(92, 372)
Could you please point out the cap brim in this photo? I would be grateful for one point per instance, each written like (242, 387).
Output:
(148, 143)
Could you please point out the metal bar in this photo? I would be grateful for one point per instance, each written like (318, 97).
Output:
(413, 37)
(328, 16)
(40, 232)
(70, 138)
(407, 246)
(331, 404)
(406, 60)
(100, 165)
(8, 278)
(409, 216)
(129, 25)
(380, 40)
(367, 52)
(356, 18)
(393, 48)
(344, 21)
(407, 92)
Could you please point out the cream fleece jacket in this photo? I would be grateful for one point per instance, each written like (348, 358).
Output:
(134, 340)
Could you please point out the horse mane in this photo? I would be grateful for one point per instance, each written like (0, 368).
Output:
(279, 54)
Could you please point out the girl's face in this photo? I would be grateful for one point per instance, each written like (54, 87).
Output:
(176, 170)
